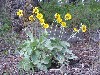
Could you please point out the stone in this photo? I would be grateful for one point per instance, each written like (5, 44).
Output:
(95, 37)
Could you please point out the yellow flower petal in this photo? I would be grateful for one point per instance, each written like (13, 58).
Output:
(31, 18)
(35, 10)
(68, 16)
(63, 24)
(76, 30)
(39, 16)
(41, 21)
(57, 15)
(59, 20)
(83, 28)
(45, 26)
(20, 13)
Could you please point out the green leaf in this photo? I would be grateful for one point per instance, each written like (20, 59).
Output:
(25, 64)
(69, 51)
(46, 60)
(42, 67)
(29, 50)
(72, 57)
(38, 53)
(64, 44)
(67, 44)
(26, 55)
(48, 44)
(33, 44)
(35, 59)
(60, 58)
(29, 33)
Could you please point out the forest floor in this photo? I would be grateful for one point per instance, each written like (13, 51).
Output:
(87, 50)
(85, 45)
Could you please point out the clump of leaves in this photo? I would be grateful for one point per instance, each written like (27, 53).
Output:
(5, 28)
(49, 10)
(5, 23)
(37, 53)
(87, 13)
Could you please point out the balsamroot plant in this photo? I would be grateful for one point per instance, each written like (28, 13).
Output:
(37, 53)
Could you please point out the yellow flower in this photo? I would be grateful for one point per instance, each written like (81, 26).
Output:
(41, 21)
(83, 28)
(76, 30)
(57, 15)
(45, 26)
(68, 16)
(63, 24)
(35, 10)
(31, 18)
(39, 16)
(20, 13)
(59, 20)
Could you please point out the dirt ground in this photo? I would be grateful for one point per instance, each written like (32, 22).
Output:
(87, 50)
